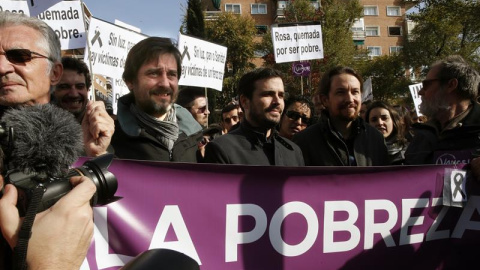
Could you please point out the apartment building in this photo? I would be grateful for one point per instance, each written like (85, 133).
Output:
(262, 12)
(381, 30)
(383, 27)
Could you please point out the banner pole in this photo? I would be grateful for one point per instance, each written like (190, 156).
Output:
(206, 99)
(87, 30)
(301, 79)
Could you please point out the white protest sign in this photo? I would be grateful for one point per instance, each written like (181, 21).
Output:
(38, 6)
(107, 51)
(417, 99)
(367, 93)
(14, 7)
(203, 63)
(297, 43)
(65, 18)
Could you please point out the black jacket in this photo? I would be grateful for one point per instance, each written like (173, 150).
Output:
(396, 152)
(322, 146)
(132, 142)
(248, 146)
(429, 143)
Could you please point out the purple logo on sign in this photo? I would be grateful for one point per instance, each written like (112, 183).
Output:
(301, 68)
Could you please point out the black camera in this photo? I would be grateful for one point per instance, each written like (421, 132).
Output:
(55, 188)
(38, 144)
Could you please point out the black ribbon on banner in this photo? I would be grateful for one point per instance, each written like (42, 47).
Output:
(458, 180)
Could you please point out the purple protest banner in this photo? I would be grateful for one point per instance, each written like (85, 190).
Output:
(254, 217)
(301, 68)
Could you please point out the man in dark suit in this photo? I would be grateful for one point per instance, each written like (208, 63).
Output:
(341, 137)
(256, 141)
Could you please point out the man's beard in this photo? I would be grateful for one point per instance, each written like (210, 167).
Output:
(161, 107)
(343, 116)
(437, 103)
(153, 108)
(263, 121)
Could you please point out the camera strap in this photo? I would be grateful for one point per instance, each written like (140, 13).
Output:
(20, 251)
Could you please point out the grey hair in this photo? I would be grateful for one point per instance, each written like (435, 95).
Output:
(50, 42)
(455, 67)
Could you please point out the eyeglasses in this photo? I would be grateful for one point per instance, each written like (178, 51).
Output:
(427, 83)
(202, 110)
(296, 115)
(20, 56)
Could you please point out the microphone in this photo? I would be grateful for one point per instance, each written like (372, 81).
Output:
(40, 143)
(42, 139)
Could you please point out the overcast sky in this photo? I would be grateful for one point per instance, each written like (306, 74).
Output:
(153, 17)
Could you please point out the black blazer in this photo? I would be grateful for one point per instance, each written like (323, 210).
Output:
(321, 146)
(247, 146)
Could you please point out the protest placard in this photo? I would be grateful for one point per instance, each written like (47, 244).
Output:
(38, 6)
(297, 43)
(367, 91)
(108, 47)
(65, 18)
(203, 63)
(417, 99)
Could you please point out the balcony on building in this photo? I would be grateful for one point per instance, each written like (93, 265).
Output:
(211, 15)
(409, 25)
(358, 32)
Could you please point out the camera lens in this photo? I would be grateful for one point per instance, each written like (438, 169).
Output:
(97, 170)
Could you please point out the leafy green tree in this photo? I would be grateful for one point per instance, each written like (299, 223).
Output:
(195, 23)
(389, 82)
(444, 27)
(301, 11)
(337, 21)
(237, 33)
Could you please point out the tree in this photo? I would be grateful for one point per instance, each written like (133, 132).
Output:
(237, 33)
(389, 83)
(193, 22)
(443, 27)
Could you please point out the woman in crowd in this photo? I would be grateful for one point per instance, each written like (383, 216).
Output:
(296, 116)
(386, 119)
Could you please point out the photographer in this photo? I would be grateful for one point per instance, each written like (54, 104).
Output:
(30, 65)
(60, 235)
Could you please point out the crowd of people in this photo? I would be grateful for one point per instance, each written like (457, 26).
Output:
(263, 127)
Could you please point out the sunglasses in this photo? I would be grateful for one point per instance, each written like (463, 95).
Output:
(20, 56)
(296, 115)
(427, 83)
